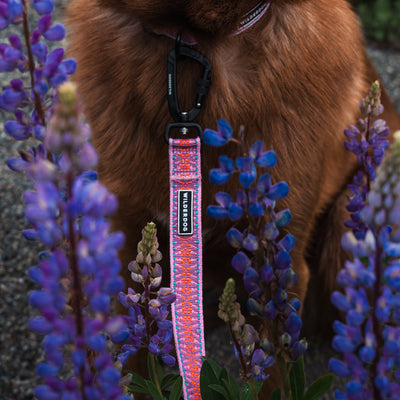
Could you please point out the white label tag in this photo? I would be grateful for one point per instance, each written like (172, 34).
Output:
(185, 212)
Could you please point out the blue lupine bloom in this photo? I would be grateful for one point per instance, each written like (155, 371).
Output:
(227, 208)
(48, 70)
(363, 140)
(247, 171)
(266, 159)
(43, 6)
(82, 264)
(220, 137)
(256, 202)
(370, 338)
(221, 175)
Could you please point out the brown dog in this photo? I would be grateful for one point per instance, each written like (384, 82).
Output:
(294, 79)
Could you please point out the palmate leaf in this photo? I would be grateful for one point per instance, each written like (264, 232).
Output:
(221, 390)
(319, 387)
(276, 394)
(232, 387)
(168, 381)
(138, 380)
(151, 386)
(138, 389)
(176, 390)
(230, 384)
(297, 379)
(216, 368)
(246, 392)
(209, 374)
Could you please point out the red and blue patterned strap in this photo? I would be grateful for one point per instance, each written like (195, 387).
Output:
(186, 260)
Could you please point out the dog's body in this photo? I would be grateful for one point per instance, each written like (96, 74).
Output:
(294, 80)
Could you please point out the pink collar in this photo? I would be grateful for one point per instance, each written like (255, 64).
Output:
(248, 21)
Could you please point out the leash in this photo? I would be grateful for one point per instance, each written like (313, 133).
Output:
(185, 223)
(186, 252)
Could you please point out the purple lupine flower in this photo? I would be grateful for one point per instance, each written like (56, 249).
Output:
(12, 56)
(220, 137)
(368, 141)
(221, 175)
(256, 202)
(43, 6)
(80, 272)
(253, 361)
(370, 338)
(227, 208)
(47, 70)
(10, 13)
(265, 159)
(147, 321)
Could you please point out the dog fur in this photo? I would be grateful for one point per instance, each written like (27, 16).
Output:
(294, 80)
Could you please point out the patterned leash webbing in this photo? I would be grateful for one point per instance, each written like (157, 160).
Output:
(186, 260)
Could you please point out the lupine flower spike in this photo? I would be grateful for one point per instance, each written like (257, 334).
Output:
(245, 338)
(370, 338)
(32, 103)
(368, 141)
(264, 261)
(80, 273)
(147, 323)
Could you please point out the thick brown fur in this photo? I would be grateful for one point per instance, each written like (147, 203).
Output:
(294, 79)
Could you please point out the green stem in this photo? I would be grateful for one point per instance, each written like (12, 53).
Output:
(31, 64)
(147, 321)
(284, 377)
(153, 367)
(253, 389)
(377, 291)
(236, 343)
(77, 292)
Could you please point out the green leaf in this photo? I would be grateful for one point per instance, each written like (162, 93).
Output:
(208, 377)
(245, 393)
(216, 368)
(276, 394)
(319, 387)
(224, 378)
(176, 390)
(138, 389)
(258, 385)
(153, 363)
(219, 389)
(223, 374)
(168, 380)
(151, 386)
(297, 379)
(138, 380)
(232, 387)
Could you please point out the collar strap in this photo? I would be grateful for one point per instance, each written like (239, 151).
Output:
(254, 15)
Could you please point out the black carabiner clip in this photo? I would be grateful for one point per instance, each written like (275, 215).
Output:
(203, 84)
(182, 126)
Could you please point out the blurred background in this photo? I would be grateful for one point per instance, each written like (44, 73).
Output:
(381, 20)
(19, 348)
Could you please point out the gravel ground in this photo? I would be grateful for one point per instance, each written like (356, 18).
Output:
(19, 348)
